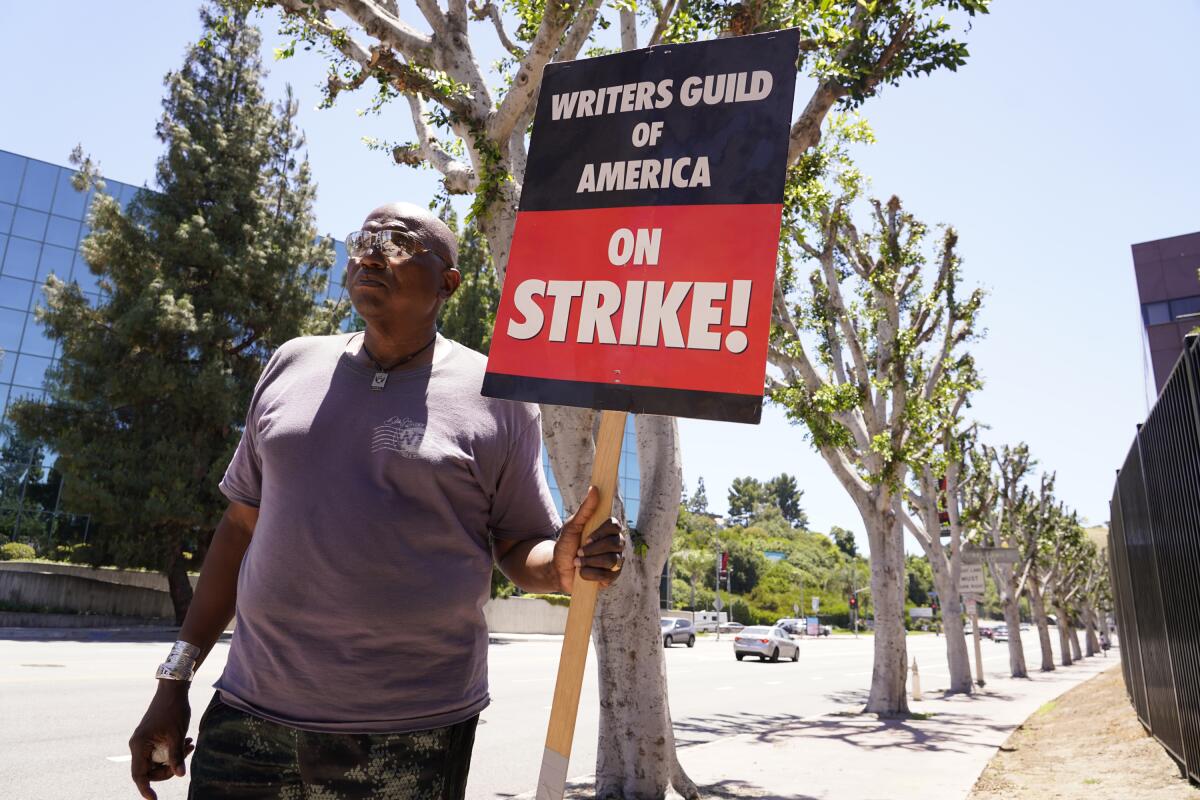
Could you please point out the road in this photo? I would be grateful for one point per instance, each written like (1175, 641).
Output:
(67, 706)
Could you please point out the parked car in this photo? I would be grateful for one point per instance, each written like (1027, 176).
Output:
(1000, 633)
(675, 630)
(730, 627)
(1024, 626)
(765, 642)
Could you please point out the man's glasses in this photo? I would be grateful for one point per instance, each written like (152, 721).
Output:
(393, 244)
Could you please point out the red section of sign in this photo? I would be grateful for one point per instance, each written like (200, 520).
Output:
(698, 319)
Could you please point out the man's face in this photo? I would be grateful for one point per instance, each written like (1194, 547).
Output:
(400, 286)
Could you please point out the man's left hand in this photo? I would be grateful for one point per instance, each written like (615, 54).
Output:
(600, 559)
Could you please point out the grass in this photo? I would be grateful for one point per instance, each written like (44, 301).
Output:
(1046, 709)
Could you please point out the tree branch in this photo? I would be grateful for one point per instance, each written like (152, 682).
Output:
(526, 82)
(491, 11)
(458, 177)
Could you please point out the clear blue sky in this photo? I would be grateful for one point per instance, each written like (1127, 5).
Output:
(1070, 135)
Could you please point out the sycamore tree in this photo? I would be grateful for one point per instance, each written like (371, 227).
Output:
(1037, 517)
(936, 495)
(997, 476)
(870, 355)
(200, 281)
(471, 125)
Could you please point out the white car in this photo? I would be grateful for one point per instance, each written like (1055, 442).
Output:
(765, 642)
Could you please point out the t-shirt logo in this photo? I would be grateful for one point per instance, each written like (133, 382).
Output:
(399, 435)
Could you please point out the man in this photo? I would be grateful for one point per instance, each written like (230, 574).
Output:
(370, 494)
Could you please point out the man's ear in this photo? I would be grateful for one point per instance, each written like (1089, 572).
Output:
(451, 280)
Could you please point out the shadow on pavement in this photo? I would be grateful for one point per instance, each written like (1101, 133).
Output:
(731, 788)
(939, 732)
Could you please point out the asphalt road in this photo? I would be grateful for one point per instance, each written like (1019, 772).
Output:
(67, 706)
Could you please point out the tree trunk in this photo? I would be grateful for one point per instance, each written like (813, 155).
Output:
(1073, 634)
(1037, 607)
(1064, 636)
(1006, 586)
(635, 755)
(889, 670)
(956, 641)
(1089, 627)
(178, 584)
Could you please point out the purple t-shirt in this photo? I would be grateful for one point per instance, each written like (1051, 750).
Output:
(360, 598)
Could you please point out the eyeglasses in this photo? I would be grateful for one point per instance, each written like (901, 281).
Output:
(393, 244)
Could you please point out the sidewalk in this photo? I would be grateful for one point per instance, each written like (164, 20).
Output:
(847, 756)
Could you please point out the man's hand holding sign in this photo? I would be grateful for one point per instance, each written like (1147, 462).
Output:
(642, 268)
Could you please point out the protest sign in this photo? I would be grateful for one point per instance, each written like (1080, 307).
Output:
(642, 267)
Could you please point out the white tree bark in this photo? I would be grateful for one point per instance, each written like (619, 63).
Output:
(957, 657)
(1006, 586)
(1037, 608)
(888, 675)
(1064, 636)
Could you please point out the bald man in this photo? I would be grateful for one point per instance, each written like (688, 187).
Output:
(371, 493)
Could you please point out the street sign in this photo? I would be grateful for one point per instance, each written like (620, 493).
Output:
(816, 603)
(718, 603)
(970, 580)
(642, 267)
(921, 613)
(795, 608)
(990, 555)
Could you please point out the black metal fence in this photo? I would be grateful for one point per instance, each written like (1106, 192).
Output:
(1154, 553)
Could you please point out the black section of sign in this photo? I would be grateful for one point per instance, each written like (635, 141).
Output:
(721, 406)
(746, 143)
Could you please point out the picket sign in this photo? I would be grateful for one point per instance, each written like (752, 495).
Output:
(642, 267)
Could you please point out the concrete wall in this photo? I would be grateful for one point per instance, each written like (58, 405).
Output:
(63, 587)
(62, 592)
(124, 577)
(524, 615)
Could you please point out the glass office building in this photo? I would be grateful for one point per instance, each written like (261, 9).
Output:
(629, 482)
(42, 221)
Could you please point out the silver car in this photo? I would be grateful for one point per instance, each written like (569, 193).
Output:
(678, 630)
(765, 642)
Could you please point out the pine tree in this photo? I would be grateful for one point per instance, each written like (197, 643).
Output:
(200, 282)
(470, 314)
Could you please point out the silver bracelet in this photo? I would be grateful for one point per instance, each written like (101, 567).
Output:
(180, 664)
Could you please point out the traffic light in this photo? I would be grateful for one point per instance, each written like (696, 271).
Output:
(853, 602)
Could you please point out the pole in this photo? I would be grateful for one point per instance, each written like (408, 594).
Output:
(974, 609)
(552, 780)
(718, 585)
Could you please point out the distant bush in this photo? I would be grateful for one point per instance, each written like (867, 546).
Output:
(552, 599)
(13, 551)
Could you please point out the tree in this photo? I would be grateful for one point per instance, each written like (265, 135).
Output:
(201, 281)
(884, 308)
(1037, 516)
(996, 479)
(693, 566)
(475, 137)
(782, 490)
(937, 496)
(698, 503)
(844, 540)
(746, 498)
(470, 314)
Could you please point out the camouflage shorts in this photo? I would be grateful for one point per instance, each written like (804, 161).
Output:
(240, 756)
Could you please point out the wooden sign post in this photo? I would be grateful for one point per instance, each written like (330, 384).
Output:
(565, 708)
(642, 267)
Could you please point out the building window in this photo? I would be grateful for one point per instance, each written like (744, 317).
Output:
(1185, 307)
(1156, 313)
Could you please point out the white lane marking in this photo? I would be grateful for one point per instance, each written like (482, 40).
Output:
(724, 689)
(773, 683)
(119, 759)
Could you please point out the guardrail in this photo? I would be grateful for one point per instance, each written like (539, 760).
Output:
(1154, 554)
